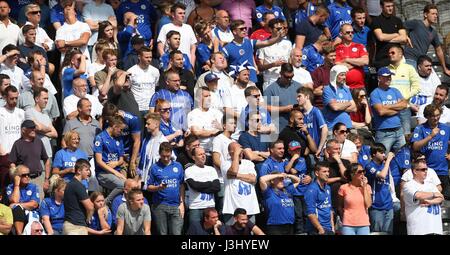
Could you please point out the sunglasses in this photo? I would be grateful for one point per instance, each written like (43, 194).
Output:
(256, 96)
(343, 131)
(35, 12)
(25, 175)
(422, 169)
(243, 28)
(279, 28)
(165, 109)
(348, 32)
(360, 172)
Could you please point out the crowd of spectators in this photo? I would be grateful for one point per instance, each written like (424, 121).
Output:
(221, 117)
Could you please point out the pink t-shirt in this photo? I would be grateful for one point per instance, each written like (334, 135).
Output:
(240, 9)
(355, 213)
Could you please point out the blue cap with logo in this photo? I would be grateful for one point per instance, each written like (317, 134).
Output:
(211, 77)
(384, 71)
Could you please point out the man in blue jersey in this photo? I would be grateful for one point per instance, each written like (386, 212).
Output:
(166, 182)
(145, 17)
(125, 37)
(180, 100)
(276, 161)
(377, 171)
(108, 151)
(240, 51)
(313, 118)
(431, 138)
(268, 6)
(312, 54)
(386, 103)
(318, 203)
(337, 99)
(362, 33)
(305, 9)
(131, 134)
(339, 14)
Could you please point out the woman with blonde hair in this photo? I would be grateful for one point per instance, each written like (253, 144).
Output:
(23, 197)
(64, 161)
(52, 208)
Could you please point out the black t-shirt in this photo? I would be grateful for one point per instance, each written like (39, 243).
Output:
(75, 212)
(29, 154)
(124, 101)
(184, 159)
(289, 134)
(334, 172)
(232, 230)
(196, 228)
(389, 25)
(309, 30)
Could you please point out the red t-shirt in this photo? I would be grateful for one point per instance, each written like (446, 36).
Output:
(355, 77)
(260, 34)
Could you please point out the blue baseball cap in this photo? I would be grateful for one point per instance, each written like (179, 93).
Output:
(384, 71)
(294, 145)
(211, 77)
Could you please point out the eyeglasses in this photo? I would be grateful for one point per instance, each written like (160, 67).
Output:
(165, 109)
(348, 32)
(343, 131)
(242, 28)
(35, 12)
(25, 175)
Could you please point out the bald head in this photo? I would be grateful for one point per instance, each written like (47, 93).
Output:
(129, 185)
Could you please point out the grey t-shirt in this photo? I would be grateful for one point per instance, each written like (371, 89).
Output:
(26, 101)
(133, 220)
(87, 133)
(281, 96)
(421, 38)
(32, 114)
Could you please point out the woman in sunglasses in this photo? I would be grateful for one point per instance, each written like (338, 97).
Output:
(354, 200)
(23, 197)
(362, 118)
(348, 148)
